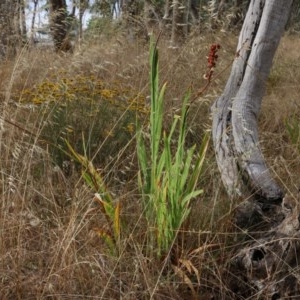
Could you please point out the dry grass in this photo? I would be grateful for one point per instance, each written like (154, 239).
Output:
(48, 249)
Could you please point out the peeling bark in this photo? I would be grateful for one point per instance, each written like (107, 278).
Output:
(267, 267)
(266, 264)
(236, 111)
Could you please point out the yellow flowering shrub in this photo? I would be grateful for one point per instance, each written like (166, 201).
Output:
(81, 88)
(86, 111)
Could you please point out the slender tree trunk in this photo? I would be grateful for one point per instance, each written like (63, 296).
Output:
(235, 112)
(35, 4)
(187, 18)
(83, 4)
(177, 23)
(23, 20)
(174, 34)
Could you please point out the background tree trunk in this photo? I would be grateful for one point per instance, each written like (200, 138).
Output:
(32, 33)
(83, 5)
(9, 32)
(235, 132)
(177, 32)
(23, 29)
(59, 25)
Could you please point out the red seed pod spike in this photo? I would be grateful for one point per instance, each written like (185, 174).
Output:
(211, 60)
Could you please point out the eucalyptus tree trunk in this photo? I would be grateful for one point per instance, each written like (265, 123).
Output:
(59, 25)
(235, 112)
(9, 30)
(266, 264)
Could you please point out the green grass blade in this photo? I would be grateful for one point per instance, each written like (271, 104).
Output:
(199, 163)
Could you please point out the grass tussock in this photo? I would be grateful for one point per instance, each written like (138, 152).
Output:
(54, 237)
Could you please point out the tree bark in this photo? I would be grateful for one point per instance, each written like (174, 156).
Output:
(266, 264)
(236, 111)
(9, 32)
(59, 25)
